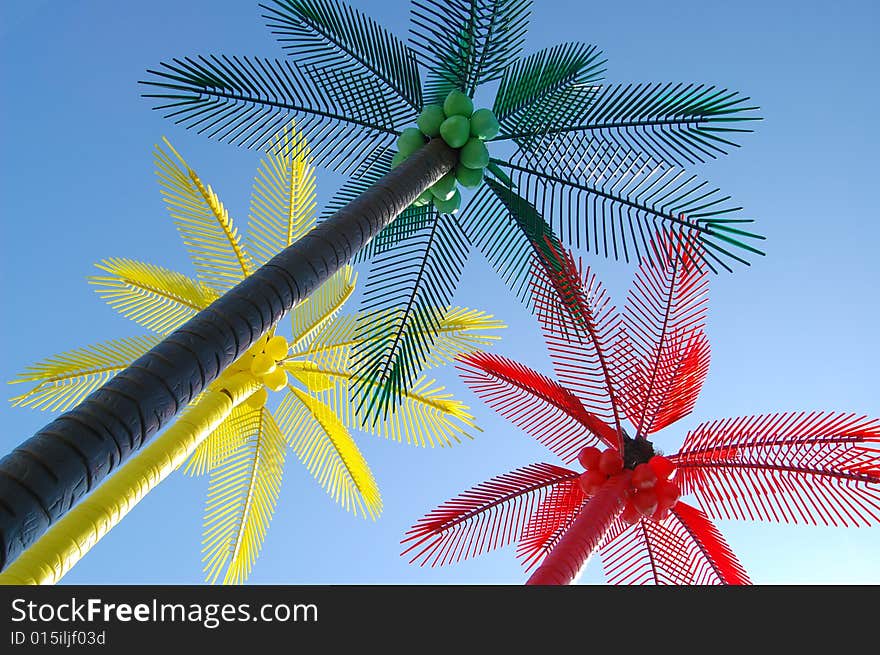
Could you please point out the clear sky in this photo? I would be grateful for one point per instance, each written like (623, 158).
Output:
(795, 331)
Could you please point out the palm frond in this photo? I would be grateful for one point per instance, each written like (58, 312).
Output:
(615, 209)
(550, 521)
(211, 239)
(427, 415)
(283, 198)
(670, 123)
(246, 100)
(817, 467)
(491, 515)
(405, 299)
(224, 442)
(661, 344)
(579, 323)
(460, 331)
(327, 450)
(670, 553)
(65, 379)
(156, 298)
(466, 43)
(551, 87)
(308, 317)
(348, 56)
(241, 498)
(534, 403)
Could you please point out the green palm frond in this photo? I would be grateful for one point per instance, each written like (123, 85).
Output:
(283, 199)
(616, 212)
(349, 57)
(510, 233)
(206, 227)
(670, 123)
(548, 88)
(241, 498)
(221, 444)
(466, 43)
(329, 453)
(319, 308)
(426, 415)
(65, 379)
(405, 297)
(247, 100)
(159, 299)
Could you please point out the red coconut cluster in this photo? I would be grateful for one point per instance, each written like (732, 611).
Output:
(651, 493)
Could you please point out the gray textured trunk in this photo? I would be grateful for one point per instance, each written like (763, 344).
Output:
(42, 478)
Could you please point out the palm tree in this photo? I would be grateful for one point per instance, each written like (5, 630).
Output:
(229, 431)
(610, 156)
(647, 366)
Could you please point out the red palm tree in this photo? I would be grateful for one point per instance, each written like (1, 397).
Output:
(645, 366)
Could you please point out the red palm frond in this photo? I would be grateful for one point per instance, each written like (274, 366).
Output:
(659, 346)
(553, 517)
(536, 404)
(683, 549)
(579, 323)
(719, 563)
(816, 467)
(491, 515)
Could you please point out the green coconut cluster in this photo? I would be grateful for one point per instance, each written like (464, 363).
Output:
(462, 128)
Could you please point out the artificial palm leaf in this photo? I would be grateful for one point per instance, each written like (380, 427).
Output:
(350, 57)
(818, 468)
(466, 43)
(327, 450)
(579, 334)
(158, 299)
(405, 298)
(221, 444)
(662, 338)
(247, 100)
(309, 316)
(491, 515)
(718, 560)
(670, 123)
(540, 407)
(426, 415)
(546, 89)
(241, 498)
(65, 379)
(617, 216)
(206, 227)
(553, 517)
(283, 199)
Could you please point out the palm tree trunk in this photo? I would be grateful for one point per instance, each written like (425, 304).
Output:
(68, 540)
(583, 537)
(46, 475)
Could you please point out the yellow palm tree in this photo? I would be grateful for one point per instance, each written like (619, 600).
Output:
(228, 431)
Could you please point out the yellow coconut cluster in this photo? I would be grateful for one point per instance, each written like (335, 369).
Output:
(264, 362)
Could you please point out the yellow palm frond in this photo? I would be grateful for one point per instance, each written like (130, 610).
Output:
(241, 498)
(206, 227)
(329, 453)
(426, 415)
(461, 331)
(315, 311)
(218, 446)
(159, 299)
(283, 198)
(65, 379)
(314, 379)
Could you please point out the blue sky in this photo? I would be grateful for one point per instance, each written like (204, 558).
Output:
(795, 331)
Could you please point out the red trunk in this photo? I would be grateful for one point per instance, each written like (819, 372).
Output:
(584, 536)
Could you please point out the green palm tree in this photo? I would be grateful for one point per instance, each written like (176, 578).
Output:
(229, 431)
(604, 162)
